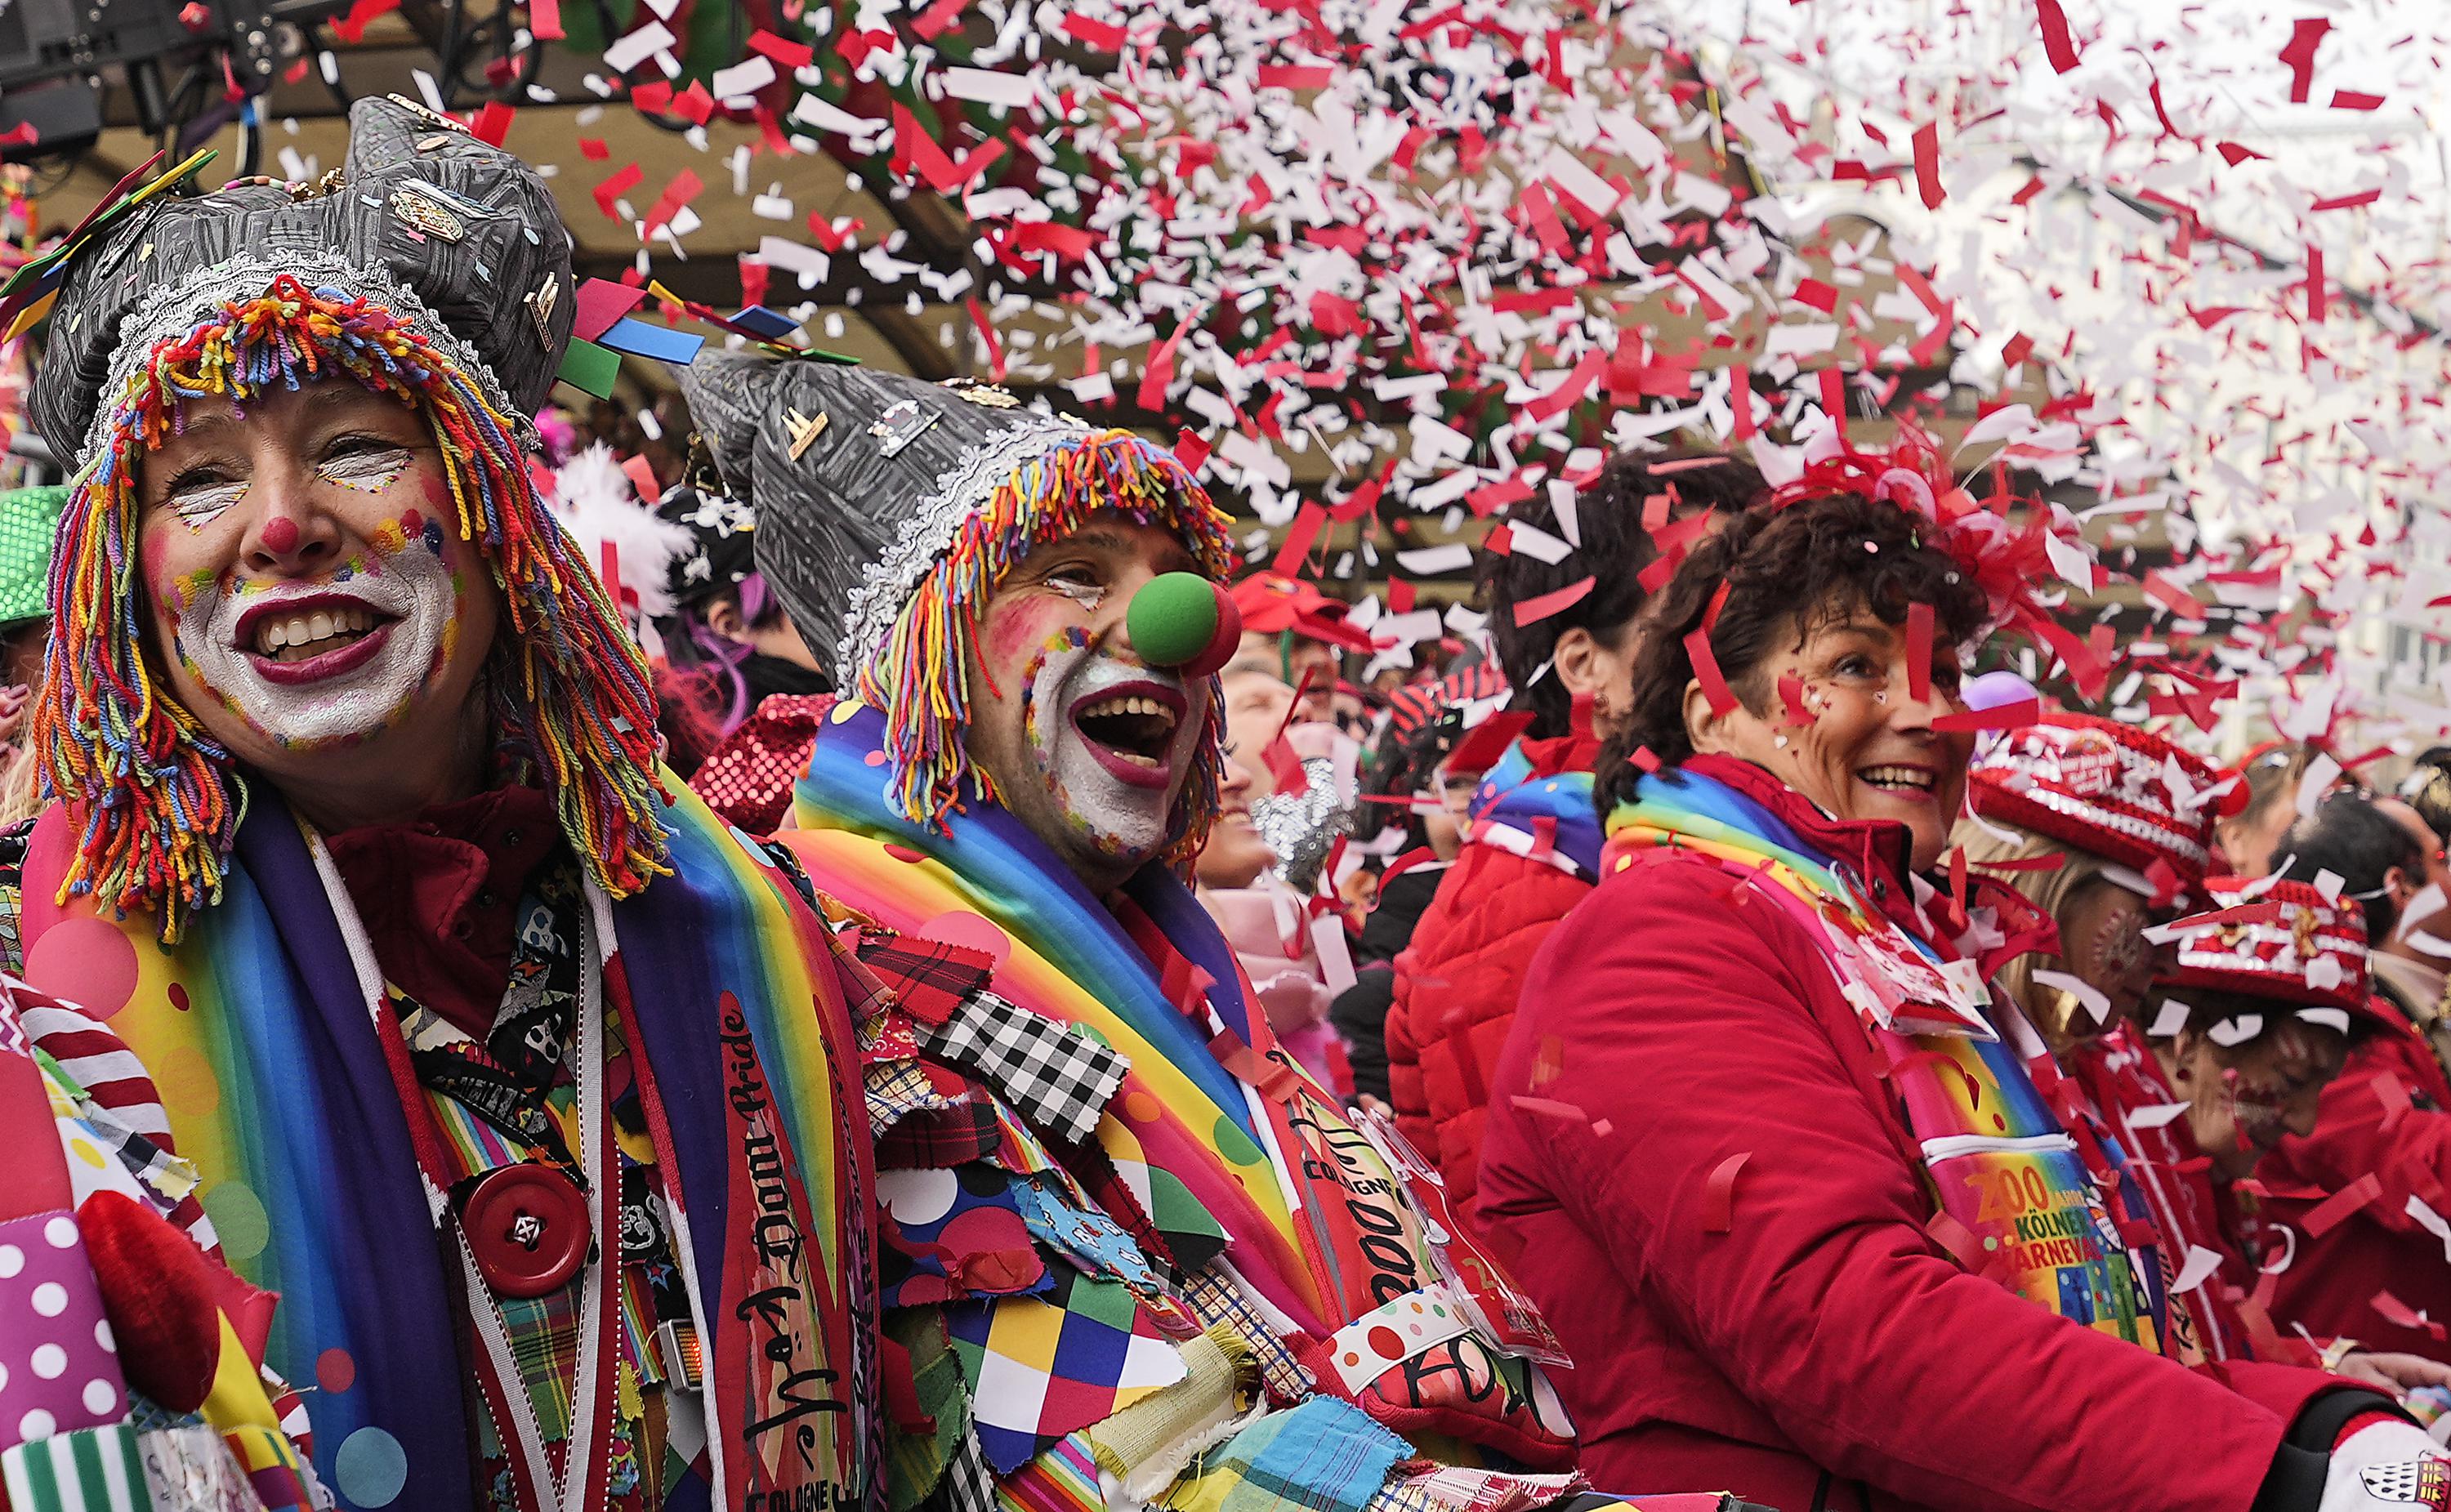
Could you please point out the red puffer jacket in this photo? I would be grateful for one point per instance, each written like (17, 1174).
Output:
(1805, 1330)
(1530, 856)
(1456, 988)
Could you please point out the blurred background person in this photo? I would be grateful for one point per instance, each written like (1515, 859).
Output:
(1532, 840)
(1415, 790)
(2379, 1272)
(1269, 927)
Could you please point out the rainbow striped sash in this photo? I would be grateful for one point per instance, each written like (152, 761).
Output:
(2016, 1200)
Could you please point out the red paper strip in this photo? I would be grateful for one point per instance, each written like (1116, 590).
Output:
(1480, 748)
(2355, 100)
(1719, 1194)
(1299, 538)
(2305, 36)
(2393, 1093)
(493, 123)
(1105, 37)
(1791, 694)
(1192, 451)
(1706, 672)
(1284, 764)
(1534, 610)
(544, 20)
(1643, 759)
(2057, 45)
(2005, 716)
(2401, 1315)
(1817, 295)
(2327, 1214)
(613, 188)
(786, 53)
(1919, 651)
(1927, 164)
(2032, 863)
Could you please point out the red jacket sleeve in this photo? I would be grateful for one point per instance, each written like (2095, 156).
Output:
(1687, 1026)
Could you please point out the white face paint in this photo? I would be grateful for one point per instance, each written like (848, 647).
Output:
(1120, 790)
(347, 685)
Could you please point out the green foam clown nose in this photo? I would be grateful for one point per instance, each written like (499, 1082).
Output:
(1177, 620)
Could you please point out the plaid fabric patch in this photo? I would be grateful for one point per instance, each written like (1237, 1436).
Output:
(895, 1090)
(544, 1343)
(1458, 1489)
(1324, 1455)
(968, 1484)
(869, 1000)
(1056, 1075)
(928, 976)
(936, 1138)
(1214, 1299)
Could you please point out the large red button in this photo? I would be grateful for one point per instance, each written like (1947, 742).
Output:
(527, 1226)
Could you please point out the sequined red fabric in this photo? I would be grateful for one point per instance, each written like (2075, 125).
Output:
(748, 778)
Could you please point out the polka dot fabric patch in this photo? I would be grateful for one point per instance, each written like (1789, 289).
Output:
(59, 1368)
(1386, 1337)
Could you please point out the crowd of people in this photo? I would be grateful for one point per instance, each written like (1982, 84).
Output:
(924, 985)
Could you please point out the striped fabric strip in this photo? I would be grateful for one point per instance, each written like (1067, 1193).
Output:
(1064, 1477)
(476, 1145)
(98, 1061)
(89, 1470)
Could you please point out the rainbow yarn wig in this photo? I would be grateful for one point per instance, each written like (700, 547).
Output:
(160, 314)
(889, 509)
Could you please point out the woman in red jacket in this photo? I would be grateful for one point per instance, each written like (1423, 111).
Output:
(1802, 1219)
(1533, 842)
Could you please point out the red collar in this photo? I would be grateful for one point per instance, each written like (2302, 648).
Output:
(1878, 850)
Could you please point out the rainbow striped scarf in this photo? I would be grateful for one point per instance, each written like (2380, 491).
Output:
(259, 1039)
(2016, 1201)
(1187, 1118)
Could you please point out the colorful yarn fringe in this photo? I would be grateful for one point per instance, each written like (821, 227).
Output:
(920, 674)
(156, 797)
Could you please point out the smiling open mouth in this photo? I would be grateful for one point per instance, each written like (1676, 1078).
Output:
(304, 636)
(1134, 726)
(1905, 782)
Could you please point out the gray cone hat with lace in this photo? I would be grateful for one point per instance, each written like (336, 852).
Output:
(457, 238)
(889, 509)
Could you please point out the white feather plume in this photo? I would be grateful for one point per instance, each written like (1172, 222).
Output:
(596, 504)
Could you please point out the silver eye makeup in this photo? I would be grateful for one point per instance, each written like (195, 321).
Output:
(368, 468)
(1088, 595)
(199, 505)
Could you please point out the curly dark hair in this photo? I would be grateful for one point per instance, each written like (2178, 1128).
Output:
(1787, 572)
(1614, 550)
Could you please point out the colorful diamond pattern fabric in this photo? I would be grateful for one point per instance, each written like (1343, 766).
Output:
(1043, 1366)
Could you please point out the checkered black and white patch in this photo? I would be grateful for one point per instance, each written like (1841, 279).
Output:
(1056, 1076)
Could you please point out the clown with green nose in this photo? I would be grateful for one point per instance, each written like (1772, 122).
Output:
(1002, 811)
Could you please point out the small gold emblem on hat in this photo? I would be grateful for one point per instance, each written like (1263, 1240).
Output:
(541, 302)
(804, 430)
(422, 214)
